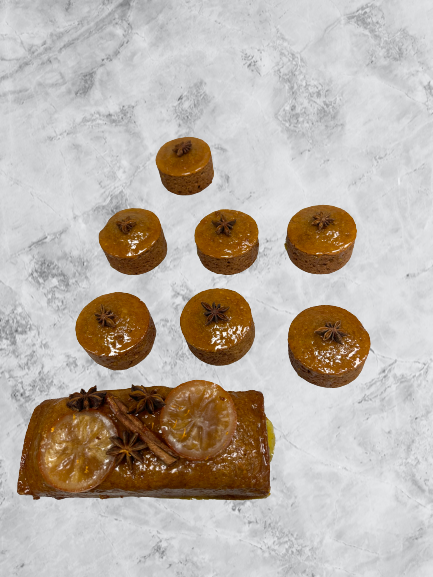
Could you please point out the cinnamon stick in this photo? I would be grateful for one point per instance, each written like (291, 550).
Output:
(148, 432)
(158, 447)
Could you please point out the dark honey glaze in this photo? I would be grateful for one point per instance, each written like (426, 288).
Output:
(328, 357)
(132, 321)
(220, 335)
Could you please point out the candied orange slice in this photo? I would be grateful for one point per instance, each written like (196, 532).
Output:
(199, 420)
(72, 455)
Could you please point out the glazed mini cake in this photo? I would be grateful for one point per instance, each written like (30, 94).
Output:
(320, 239)
(328, 346)
(194, 441)
(185, 165)
(227, 241)
(116, 330)
(133, 241)
(218, 326)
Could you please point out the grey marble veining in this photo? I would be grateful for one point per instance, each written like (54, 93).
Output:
(302, 102)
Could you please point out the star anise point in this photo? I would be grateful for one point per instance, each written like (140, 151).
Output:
(223, 225)
(183, 147)
(126, 225)
(321, 220)
(128, 448)
(105, 317)
(332, 332)
(214, 313)
(145, 400)
(93, 399)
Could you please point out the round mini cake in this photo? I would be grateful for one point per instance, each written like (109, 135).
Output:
(133, 241)
(185, 165)
(227, 241)
(218, 326)
(328, 346)
(320, 239)
(116, 330)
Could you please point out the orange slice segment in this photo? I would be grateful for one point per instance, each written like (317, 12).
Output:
(199, 420)
(72, 455)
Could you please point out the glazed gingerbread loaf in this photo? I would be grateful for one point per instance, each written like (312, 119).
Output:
(240, 471)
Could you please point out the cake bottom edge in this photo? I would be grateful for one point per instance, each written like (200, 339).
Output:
(192, 495)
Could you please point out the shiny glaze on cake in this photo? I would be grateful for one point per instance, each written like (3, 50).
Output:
(138, 240)
(221, 335)
(195, 160)
(132, 322)
(241, 471)
(243, 236)
(328, 357)
(335, 238)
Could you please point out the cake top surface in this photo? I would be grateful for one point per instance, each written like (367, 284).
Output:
(321, 229)
(168, 161)
(328, 356)
(242, 465)
(130, 233)
(219, 335)
(211, 234)
(115, 333)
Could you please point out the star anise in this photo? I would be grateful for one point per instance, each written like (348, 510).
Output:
(127, 448)
(214, 312)
(126, 224)
(145, 401)
(82, 400)
(332, 332)
(182, 148)
(105, 317)
(223, 225)
(322, 221)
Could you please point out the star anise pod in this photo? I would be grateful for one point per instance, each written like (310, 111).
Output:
(332, 332)
(214, 312)
(182, 148)
(93, 399)
(105, 317)
(322, 221)
(126, 224)
(127, 448)
(145, 401)
(223, 225)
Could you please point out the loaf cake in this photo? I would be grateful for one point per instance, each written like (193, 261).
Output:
(328, 346)
(133, 241)
(116, 330)
(218, 326)
(100, 444)
(185, 165)
(227, 241)
(320, 239)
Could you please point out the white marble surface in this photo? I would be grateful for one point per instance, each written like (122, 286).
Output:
(302, 102)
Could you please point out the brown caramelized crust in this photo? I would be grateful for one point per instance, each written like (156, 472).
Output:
(241, 471)
(189, 173)
(124, 345)
(327, 363)
(139, 250)
(222, 342)
(320, 251)
(227, 254)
